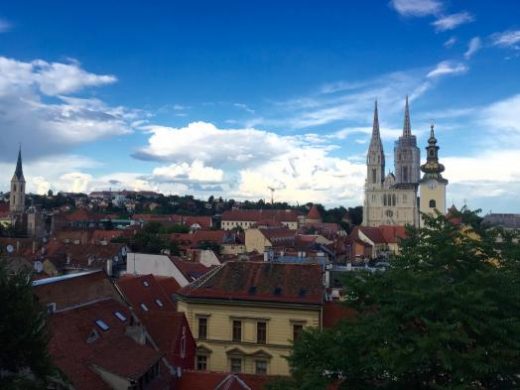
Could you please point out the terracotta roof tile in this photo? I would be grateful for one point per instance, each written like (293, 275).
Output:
(191, 270)
(252, 281)
(144, 289)
(393, 233)
(205, 380)
(112, 350)
(314, 213)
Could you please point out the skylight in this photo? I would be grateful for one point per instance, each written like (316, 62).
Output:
(120, 316)
(159, 303)
(102, 325)
(144, 307)
(146, 284)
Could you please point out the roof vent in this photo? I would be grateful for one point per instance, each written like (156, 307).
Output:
(278, 291)
(93, 336)
(252, 290)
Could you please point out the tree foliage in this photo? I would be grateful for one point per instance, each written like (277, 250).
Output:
(446, 315)
(24, 360)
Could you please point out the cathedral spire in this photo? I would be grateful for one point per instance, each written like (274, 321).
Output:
(375, 125)
(19, 171)
(407, 128)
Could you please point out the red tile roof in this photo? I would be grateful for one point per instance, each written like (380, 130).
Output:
(191, 270)
(273, 282)
(373, 233)
(205, 380)
(393, 233)
(112, 350)
(144, 289)
(260, 215)
(314, 213)
(334, 312)
(105, 235)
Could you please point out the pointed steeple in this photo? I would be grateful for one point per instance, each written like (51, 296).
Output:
(407, 128)
(19, 171)
(375, 125)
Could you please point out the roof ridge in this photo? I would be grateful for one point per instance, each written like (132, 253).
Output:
(204, 278)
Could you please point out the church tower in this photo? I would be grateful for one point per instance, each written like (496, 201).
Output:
(375, 156)
(432, 185)
(375, 170)
(407, 156)
(17, 195)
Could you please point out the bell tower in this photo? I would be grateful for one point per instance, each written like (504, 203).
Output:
(17, 195)
(432, 185)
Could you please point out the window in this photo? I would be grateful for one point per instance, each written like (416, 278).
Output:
(237, 330)
(159, 302)
(260, 367)
(373, 175)
(433, 204)
(183, 343)
(393, 199)
(384, 199)
(297, 329)
(120, 316)
(405, 174)
(103, 325)
(236, 365)
(202, 362)
(203, 328)
(144, 307)
(261, 332)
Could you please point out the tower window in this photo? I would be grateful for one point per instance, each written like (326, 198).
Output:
(384, 199)
(405, 174)
(393, 199)
(433, 204)
(373, 175)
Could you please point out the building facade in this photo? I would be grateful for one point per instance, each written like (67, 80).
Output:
(246, 315)
(392, 199)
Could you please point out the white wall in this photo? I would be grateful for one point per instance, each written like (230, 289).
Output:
(159, 265)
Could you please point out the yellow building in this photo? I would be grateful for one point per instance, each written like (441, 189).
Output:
(245, 315)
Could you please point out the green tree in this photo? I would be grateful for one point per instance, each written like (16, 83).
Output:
(24, 360)
(446, 315)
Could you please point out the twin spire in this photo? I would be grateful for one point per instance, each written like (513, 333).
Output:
(407, 127)
(19, 171)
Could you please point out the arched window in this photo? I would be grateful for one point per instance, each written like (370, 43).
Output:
(373, 175)
(433, 204)
(393, 200)
(384, 199)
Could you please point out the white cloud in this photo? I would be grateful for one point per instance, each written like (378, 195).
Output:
(502, 119)
(474, 45)
(51, 125)
(509, 38)
(416, 7)
(446, 68)
(449, 22)
(196, 171)
(450, 42)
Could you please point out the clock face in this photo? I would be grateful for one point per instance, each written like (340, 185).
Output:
(432, 184)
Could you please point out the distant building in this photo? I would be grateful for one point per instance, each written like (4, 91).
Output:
(17, 194)
(245, 219)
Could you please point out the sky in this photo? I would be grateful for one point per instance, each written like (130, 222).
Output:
(229, 98)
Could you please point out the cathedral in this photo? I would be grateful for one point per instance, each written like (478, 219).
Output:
(392, 199)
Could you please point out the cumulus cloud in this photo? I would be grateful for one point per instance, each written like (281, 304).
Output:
(509, 38)
(37, 109)
(196, 171)
(449, 22)
(446, 68)
(416, 7)
(474, 45)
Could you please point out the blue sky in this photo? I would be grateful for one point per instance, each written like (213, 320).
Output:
(230, 97)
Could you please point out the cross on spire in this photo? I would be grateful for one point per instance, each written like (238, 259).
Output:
(407, 128)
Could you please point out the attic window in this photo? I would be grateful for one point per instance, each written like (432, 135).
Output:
(102, 325)
(159, 303)
(302, 292)
(278, 291)
(144, 307)
(120, 316)
(146, 284)
(252, 290)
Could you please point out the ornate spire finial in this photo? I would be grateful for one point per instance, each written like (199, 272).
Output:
(407, 128)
